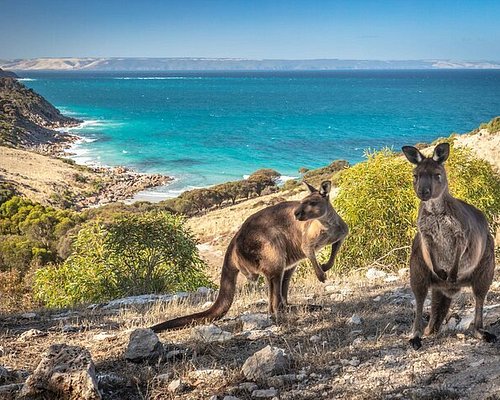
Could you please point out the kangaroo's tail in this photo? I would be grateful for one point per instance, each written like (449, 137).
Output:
(221, 305)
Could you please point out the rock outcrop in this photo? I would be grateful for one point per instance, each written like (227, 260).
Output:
(27, 119)
(64, 373)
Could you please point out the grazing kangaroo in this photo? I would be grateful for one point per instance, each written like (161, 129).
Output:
(452, 249)
(271, 242)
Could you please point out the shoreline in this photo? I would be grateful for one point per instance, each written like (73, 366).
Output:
(70, 149)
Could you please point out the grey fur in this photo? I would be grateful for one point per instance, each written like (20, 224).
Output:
(452, 249)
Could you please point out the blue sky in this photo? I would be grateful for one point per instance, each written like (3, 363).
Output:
(459, 30)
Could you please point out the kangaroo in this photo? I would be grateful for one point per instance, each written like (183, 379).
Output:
(270, 243)
(452, 249)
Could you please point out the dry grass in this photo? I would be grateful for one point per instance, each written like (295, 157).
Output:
(387, 367)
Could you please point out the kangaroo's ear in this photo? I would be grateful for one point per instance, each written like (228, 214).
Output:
(312, 189)
(441, 152)
(412, 154)
(326, 186)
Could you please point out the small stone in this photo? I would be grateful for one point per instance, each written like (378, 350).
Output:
(355, 320)
(176, 386)
(207, 304)
(354, 362)
(31, 334)
(255, 321)
(476, 364)
(177, 354)
(377, 299)
(465, 322)
(264, 393)
(275, 381)
(204, 375)
(315, 339)
(257, 334)
(204, 291)
(330, 288)
(143, 345)
(211, 333)
(265, 363)
(248, 386)
(231, 398)
(391, 278)
(104, 336)
(374, 273)
(70, 329)
(164, 377)
(29, 315)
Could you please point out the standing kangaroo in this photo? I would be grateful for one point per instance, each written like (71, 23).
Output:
(271, 242)
(452, 249)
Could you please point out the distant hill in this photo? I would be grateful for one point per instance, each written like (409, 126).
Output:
(232, 64)
(7, 74)
(26, 118)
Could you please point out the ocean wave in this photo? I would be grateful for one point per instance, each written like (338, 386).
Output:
(146, 78)
(27, 79)
(283, 178)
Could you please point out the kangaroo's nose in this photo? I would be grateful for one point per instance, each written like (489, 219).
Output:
(426, 191)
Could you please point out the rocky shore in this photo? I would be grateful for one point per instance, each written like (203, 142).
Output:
(34, 151)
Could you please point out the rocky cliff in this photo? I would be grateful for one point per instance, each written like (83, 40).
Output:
(7, 74)
(26, 118)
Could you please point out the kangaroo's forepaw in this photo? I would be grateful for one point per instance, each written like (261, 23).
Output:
(488, 337)
(416, 342)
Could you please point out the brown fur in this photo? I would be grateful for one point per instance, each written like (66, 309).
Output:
(270, 243)
(452, 249)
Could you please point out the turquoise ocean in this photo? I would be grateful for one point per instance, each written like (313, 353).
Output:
(204, 128)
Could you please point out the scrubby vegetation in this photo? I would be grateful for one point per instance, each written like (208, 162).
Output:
(134, 254)
(491, 126)
(195, 201)
(377, 201)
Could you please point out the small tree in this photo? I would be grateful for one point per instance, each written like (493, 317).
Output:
(263, 178)
(135, 254)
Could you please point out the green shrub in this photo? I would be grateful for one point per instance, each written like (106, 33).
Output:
(135, 254)
(377, 201)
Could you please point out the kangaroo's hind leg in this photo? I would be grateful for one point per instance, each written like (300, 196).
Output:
(481, 281)
(420, 277)
(285, 284)
(439, 310)
(274, 281)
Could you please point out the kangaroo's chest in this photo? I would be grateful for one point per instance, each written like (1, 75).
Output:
(319, 235)
(443, 236)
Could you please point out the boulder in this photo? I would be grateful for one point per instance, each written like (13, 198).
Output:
(143, 345)
(265, 363)
(65, 373)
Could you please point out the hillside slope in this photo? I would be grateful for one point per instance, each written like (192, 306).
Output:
(27, 119)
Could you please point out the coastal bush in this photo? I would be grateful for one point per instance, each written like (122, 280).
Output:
(377, 201)
(134, 254)
(491, 126)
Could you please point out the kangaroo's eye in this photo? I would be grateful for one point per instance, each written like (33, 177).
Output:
(438, 177)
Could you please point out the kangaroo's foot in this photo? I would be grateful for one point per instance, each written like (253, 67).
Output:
(416, 342)
(321, 275)
(484, 335)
